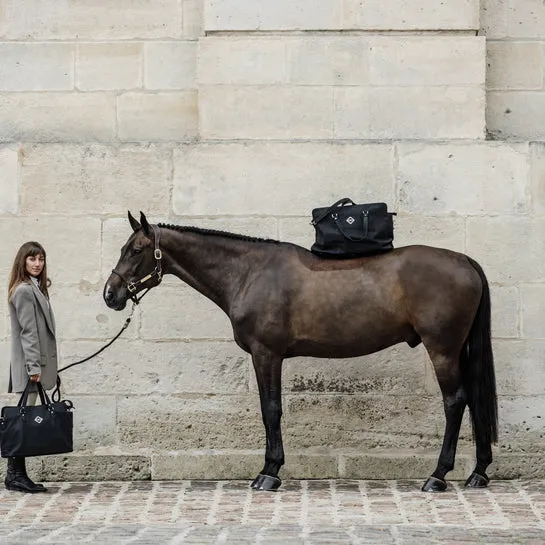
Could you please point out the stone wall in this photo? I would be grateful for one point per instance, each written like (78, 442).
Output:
(243, 116)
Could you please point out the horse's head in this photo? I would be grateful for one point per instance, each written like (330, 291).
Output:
(139, 266)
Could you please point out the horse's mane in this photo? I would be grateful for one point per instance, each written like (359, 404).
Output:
(213, 232)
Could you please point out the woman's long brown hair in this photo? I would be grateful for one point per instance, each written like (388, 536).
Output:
(18, 271)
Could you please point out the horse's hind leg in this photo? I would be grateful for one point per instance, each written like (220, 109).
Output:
(268, 370)
(447, 369)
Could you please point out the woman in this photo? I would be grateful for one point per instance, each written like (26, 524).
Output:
(34, 346)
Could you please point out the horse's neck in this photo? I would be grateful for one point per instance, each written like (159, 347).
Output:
(211, 264)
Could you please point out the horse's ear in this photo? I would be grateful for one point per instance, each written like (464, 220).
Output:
(145, 225)
(134, 224)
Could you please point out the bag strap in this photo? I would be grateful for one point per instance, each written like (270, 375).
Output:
(340, 202)
(350, 237)
(44, 398)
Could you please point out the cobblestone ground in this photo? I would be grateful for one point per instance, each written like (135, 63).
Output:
(301, 512)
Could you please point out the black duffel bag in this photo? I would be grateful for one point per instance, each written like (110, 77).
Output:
(36, 430)
(346, 229)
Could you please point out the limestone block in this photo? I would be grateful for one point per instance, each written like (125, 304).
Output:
(9, 183)
(278, 179)
(157, 116)
(505, 311)
(249, 226)
(363, 421)
(409, 112)
(532, 297)
(526, 19)
(489, 238)
(521, 422)
(109, 66)
(517, 466)
(461, 178)
(36, 67)
(515, 65)
(422, 61)
(405, 465)
(297, 230)
(411, 14)
(136, 367)
(265, 15)
(494, 18)
(94, 421)
(93, 467)
(170, 65)
(516, 114)
(442, 232)
(86, 20)
(243, 60)
(183, 313)
(268, 113)
(325, 60)
(57, 117)
(399, 370)
(95, 179)
(537, 165)
(519, 367)
(192, 19)
(190, 422)
(62, 240)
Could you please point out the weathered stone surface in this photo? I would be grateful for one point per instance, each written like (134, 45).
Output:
(409, 112)
(134, 367)
(63, 242)
(450, 60)
(526, 19)
(521, 423)
(517, 466)
(505, 311)
(443, 232)
(531, 303)
(5, 350)
(95, 179)
(109, 66)
(124, 19)
(94, 420)
(515, 65)
(192, 19)
(157, 117)
(210, 178)
(57, 117)
(268, 113)
(464, 178)
(399, 370)
(190, 422)
(487, 241)
(9, 184)
(537, 165)
(519, 367)
(170, 65)
(494, 18)
(515, 114)
(400, 465)
(94, 467)
(36, 67)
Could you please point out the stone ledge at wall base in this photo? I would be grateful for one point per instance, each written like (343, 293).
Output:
(244, 465)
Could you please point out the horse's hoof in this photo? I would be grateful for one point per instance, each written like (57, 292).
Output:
(266, 482)
(433, 484)
(477, 481)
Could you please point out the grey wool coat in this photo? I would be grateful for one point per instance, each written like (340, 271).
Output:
(33, 342)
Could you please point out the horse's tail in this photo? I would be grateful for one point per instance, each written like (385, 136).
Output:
(477, 362)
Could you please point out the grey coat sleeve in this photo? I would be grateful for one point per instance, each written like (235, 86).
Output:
(23, 301)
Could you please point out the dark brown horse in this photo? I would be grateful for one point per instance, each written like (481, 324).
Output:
(283, 301)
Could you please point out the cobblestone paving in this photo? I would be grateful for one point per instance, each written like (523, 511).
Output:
(301, 512)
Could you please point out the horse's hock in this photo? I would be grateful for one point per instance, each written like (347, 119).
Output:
(243, 116)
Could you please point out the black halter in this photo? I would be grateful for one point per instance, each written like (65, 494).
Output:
(132, 287)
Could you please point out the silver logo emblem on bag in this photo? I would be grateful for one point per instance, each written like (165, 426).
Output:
(350, 220)
(38, 420)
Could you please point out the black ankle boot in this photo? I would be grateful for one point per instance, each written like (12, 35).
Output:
(17, 479)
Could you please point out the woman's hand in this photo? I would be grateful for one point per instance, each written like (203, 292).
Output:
(35, 378)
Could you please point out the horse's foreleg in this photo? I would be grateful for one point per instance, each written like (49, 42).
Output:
(268, 370)
(454, 401)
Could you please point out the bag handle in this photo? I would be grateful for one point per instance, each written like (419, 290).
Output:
(350, 237)
(44, 398)
(340, 202)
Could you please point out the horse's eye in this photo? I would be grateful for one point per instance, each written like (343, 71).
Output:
(136, 251)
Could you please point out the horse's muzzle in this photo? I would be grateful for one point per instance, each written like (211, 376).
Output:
(113, 301)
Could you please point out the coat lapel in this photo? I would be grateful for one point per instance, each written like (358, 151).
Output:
(46, 308)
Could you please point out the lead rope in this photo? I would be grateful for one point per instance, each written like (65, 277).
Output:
(56, 395)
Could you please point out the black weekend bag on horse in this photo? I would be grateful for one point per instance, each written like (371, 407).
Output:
(346, 229)
(27, 430)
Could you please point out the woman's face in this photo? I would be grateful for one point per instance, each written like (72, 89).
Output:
(35, 264)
